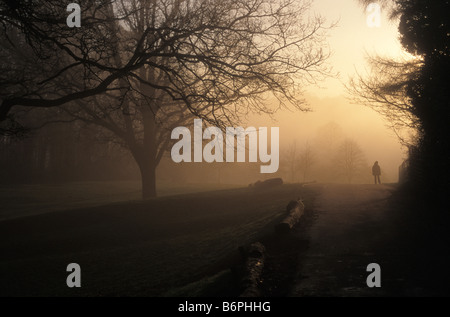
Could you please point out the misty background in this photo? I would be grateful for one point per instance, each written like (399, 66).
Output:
(86, 116)
(312, 148)
(314, 145)
(76, 151)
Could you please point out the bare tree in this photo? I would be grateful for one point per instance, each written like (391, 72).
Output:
(137, 68)
(290, 160)
(350, 160)
(328, 138)
(216, 52)
(384, 90)
(298, 162)
(307, 159)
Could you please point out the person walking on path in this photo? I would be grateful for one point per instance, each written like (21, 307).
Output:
(376, 172)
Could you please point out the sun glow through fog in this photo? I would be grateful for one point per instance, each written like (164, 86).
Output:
(350, 41)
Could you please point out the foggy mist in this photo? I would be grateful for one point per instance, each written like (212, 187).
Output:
(231, 148)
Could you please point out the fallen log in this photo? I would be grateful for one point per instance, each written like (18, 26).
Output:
(252, 270)
(267, 184)
(294, 212)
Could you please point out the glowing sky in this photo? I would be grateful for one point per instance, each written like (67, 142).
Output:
(351, 38)
(349, 41)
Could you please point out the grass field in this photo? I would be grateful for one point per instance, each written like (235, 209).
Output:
(161, 247)
(30, 199)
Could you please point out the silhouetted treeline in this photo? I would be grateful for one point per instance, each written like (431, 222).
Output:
(424, 29)
(63, 152)
(78, 152)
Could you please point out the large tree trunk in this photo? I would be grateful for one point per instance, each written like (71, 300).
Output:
(148, 176)
(146, 156)
(147, 166)
(149, 162)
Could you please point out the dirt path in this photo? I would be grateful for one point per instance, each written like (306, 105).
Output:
(352, 229)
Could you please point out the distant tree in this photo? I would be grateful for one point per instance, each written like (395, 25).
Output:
(290, 161)
(329, 136)
(298, 161)
(350, 160)
(307, 159)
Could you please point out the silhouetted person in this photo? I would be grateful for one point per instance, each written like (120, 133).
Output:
(376, 172)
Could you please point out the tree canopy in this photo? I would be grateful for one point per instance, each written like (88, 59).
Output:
(207, 53)
(140, 68)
